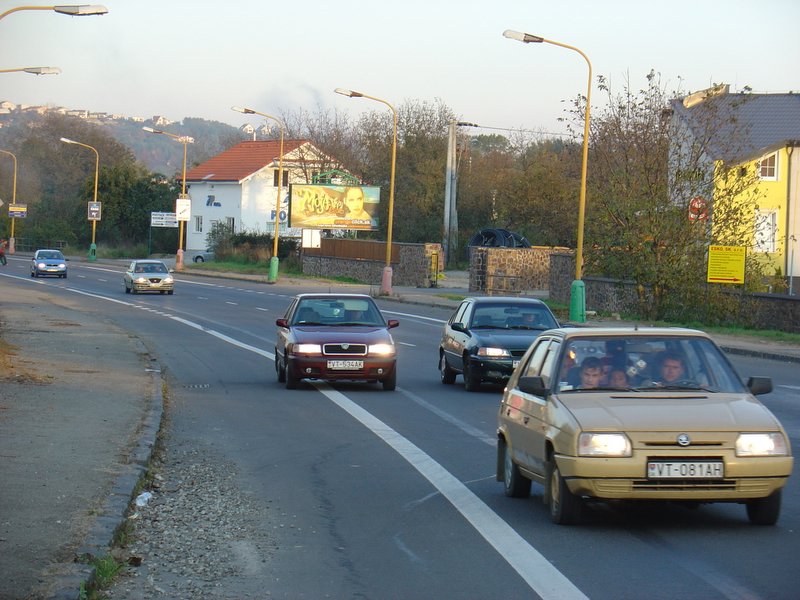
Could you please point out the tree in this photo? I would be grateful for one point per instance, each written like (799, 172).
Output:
(643, 172)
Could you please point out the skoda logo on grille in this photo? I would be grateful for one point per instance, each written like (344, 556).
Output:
(345, 346)
(684, 440)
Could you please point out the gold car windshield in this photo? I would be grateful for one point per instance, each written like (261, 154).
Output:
(645, 362)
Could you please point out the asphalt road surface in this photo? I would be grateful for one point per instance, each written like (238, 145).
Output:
(392, 494)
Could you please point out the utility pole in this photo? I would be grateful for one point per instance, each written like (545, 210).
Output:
(450, 183)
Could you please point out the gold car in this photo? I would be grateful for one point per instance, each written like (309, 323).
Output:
(639, 414)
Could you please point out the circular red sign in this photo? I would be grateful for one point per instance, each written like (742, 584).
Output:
(698, 209)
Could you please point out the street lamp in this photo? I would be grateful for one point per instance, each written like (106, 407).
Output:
(183, 139)
(11, 240)
(386, 280)
(75, 10)
(577, 304)
(34, 70)
(93, 248)
(274, 261)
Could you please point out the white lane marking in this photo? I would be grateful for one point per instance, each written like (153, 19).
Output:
(262, 309)
(410, 316)
(791, 387)
(231, 303)
(547, 581)
(406, 344)
(542, 577)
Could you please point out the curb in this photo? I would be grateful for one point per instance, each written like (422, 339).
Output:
(100, 538)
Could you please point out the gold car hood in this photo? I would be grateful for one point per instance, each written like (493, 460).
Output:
(668, 411)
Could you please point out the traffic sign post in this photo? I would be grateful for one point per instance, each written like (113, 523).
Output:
(95, 211)
(183, 212)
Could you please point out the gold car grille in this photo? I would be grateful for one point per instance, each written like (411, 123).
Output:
(684, 484)
(344, 349)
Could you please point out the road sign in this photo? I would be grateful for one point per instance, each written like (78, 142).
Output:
(183, 209)
(726, 264)
(94, 211)
(163, 219)
(17, 211)
(698, 209)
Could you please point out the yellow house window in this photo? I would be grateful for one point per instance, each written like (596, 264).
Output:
(766, 228)
(768, 167)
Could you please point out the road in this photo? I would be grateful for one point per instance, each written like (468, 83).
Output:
(392, 494)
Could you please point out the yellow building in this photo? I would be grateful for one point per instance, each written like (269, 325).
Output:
(743, 151)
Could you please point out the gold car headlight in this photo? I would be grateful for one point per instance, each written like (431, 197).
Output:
(604, 444)
(493, 352)
(167, 280)
(381, 349)
(141, 279)
(307, 349)
(761, 444)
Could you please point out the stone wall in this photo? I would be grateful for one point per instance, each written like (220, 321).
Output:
(514, 271)
(417, 266)
(779, 312)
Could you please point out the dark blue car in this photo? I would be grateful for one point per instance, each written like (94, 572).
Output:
(486, 336)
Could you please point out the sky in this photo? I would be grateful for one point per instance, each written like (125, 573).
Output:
(197, 58)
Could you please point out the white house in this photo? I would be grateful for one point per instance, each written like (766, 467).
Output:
(239, 187)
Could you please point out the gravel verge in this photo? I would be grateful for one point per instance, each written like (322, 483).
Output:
(199, 535)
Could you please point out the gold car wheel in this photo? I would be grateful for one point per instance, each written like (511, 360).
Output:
(515, 484)
(565, 507)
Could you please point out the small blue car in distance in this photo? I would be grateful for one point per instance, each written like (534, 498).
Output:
(49, 262)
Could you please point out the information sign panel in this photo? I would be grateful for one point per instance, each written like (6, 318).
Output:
(163, 219)
(726, 264)
(17, 211)
(94, 211)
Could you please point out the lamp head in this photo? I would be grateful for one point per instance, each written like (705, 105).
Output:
(246, 111)
(43, 70)
(526, 38)
(81, 10)
(149, 130)
(348, 93)
(68, 141)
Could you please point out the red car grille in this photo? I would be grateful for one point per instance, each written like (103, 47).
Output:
(344, 349)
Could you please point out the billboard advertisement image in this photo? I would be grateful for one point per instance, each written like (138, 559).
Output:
(334, 206)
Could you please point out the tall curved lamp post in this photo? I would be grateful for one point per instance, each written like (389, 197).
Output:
(34, 70)
(386, 280)
(11, 240)
(577, 303)
(93, 248)
(185, 140)
(75, 10)
(274, 262)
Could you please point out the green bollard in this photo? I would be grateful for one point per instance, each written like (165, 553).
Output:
(92, 253)
(273, 270)
(577, 302)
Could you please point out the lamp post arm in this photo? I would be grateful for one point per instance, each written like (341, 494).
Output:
(18, 8)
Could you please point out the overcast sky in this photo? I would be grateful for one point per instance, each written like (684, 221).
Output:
(197, 58)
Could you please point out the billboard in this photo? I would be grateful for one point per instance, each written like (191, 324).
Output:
(334, 206)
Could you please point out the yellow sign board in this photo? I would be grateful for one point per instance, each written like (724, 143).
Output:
(726, 264)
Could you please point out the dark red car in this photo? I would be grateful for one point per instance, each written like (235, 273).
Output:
(335, 337)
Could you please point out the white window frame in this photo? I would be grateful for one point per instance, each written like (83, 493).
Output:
(774, 168)
(198, 223)
(766, 229)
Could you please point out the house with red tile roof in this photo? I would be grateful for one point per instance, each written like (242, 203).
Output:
(239, 187)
